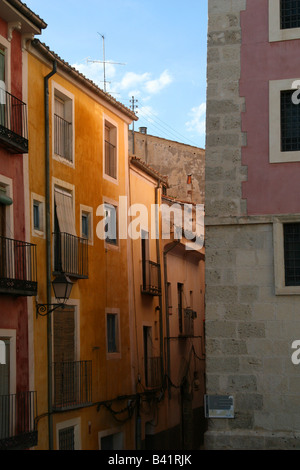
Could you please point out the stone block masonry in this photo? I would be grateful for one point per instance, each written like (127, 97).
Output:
(248, 343)
(249, 329)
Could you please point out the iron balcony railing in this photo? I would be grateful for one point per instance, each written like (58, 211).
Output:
(70, 255)
(153, 372)
(13, 123)
(18, 271)
(110, 160)
(151, 279)
(17, 421)
(72, 384)
(63, 138)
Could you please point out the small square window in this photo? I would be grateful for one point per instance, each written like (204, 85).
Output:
(85, 225)
(86, 221)
(37, 215)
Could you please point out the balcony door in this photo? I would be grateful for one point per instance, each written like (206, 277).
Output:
(2, 87)
(4, 387)
(2, 220)
(66, 240)
(64, 368)
(3, 270)
(145, 259)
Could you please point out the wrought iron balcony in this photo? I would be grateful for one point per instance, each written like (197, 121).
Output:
(72, 382)
(70, 255)
(63, 138)
(153, 371)
(151, 279)
(17, 421)
(13, 123)
(18, 274)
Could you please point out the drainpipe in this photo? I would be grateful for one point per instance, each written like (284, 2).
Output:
(48, 250)
(159, 276)
(167, 311)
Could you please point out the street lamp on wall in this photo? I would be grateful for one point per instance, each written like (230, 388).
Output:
(62, 286)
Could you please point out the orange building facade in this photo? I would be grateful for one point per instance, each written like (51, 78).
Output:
(78, 169)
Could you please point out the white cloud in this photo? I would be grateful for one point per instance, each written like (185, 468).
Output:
(132, 79)
(197, 121)
(138, 82)
(94, 71)
(155, 86)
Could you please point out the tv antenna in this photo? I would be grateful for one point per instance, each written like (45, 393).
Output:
(104, 62)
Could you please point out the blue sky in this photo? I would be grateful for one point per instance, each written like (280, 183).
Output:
(162, 44)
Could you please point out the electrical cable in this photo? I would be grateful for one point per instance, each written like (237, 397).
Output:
(167, 127)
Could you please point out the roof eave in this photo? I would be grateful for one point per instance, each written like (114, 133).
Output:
(52, 56)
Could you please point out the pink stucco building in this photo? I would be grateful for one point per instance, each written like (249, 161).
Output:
(253, 224)
(18, 277)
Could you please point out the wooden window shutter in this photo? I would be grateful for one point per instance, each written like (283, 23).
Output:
(64, 335)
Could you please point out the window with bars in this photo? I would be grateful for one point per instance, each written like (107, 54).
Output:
(63, 126)
(289, 14)
(67, 438)
(291, 233)
(290, 122)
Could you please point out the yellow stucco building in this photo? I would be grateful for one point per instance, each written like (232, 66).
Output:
(78, 170)
(168, 314)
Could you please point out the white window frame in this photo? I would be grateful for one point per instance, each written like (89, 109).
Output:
(6, 45)
(76, 423)
(12, 335)
(108, 121)
(275, 153)
(36, 198)
(68, 98)
(8, 183)
(113, 355)
(279, 266)
(275, 32)
(87, 210)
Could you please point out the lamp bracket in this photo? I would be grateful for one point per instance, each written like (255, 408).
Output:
(44, 309)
